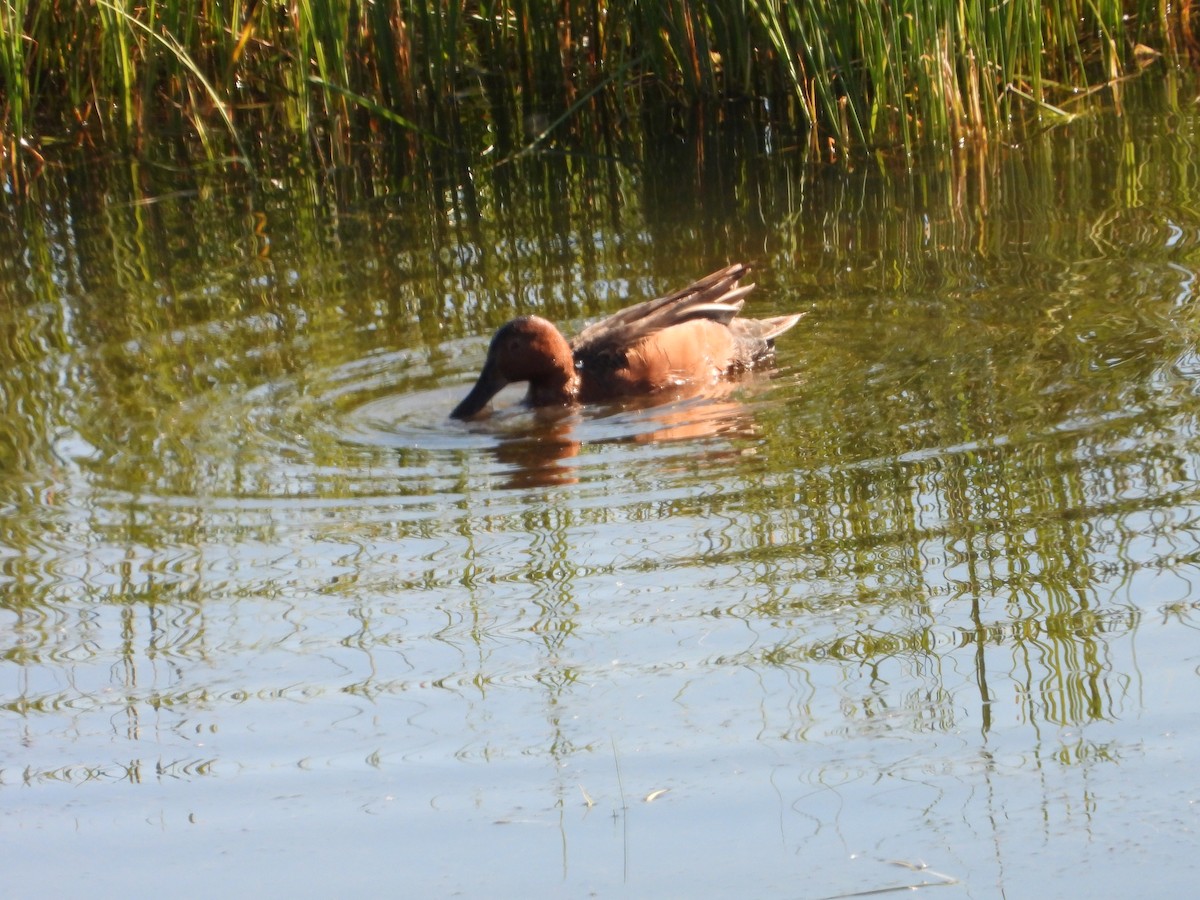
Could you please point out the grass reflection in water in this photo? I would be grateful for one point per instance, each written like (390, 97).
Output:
(925, 592)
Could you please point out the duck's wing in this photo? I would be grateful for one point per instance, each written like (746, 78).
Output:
(716, 297)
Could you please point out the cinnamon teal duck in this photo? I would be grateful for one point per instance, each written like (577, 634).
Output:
(693, 336)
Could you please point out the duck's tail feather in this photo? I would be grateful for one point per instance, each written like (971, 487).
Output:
(777, 325)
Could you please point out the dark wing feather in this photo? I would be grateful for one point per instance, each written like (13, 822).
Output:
(717, 297)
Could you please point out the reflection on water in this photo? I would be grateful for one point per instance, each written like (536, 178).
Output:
(911, 595)
(541, 447)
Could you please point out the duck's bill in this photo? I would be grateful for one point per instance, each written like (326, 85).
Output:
(490, 383)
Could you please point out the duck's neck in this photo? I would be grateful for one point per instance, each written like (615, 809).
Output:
(557, 387)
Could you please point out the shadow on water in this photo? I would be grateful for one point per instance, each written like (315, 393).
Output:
(938, 569)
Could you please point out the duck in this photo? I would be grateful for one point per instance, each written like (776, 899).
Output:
(691, 337)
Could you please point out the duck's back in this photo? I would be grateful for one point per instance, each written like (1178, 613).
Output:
(691, 335)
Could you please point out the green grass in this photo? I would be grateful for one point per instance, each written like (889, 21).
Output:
(844, 76)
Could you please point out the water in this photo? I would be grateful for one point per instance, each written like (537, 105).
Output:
(917, 606)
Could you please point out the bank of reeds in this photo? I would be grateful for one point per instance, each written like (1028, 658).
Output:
(840, 74)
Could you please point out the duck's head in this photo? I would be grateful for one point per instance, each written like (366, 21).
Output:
(526, 349)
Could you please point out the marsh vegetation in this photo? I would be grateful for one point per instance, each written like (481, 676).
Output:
(332, 83)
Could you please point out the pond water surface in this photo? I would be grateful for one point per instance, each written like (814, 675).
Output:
(918, 606)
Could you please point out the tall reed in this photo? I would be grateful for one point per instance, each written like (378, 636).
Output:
(847, 74)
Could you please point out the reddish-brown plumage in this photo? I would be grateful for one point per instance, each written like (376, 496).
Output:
(693, 336)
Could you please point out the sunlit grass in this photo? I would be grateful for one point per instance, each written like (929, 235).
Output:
(842, 76)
